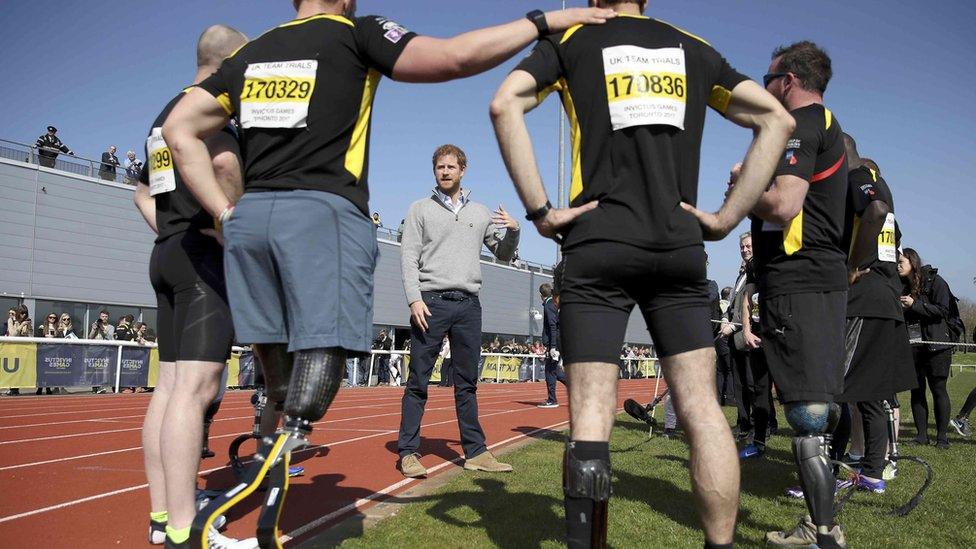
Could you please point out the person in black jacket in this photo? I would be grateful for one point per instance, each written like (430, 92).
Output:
(109, 162)
(926, 300)
(48, 146)
(550, 339)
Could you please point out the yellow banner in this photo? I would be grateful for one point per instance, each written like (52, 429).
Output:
(234, 369)
(501, 368)
(153, 366)
(18, 365)
(646, 367)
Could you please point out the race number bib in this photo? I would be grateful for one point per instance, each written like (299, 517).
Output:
(162, 177)
(886, 240)
(645, 86)
(276, 95)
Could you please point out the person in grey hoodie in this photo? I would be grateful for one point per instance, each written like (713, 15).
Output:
(441, 248)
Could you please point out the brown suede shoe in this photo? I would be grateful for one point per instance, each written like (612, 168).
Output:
(485, 461)
(411, 468)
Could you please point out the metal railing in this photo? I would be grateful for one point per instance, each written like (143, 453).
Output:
(78, 165)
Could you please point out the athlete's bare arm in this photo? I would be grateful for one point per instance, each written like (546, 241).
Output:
(783, 201)
(750, 107)
(146, 205)
(514, 98)
(427, 59)
(196, 117)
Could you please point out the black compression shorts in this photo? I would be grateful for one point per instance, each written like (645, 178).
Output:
(187, 273)
(604, 280)
(803, 340)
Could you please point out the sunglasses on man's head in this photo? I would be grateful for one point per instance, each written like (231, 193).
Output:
(767, 78)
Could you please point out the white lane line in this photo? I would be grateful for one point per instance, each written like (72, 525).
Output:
(90, 433)
(216, 437)
(303, 450)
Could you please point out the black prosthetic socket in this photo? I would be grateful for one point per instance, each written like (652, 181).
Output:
(205, 451)
(816, 477)
(729, 545)
(315, 381)
(276, 366)
(586, 486)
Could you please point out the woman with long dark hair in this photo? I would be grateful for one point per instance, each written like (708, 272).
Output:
(926, 299)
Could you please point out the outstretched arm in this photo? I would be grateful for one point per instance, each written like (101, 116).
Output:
(750, 107)
(427, 59)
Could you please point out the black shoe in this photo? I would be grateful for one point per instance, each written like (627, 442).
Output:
(942, 444)
(918, 441)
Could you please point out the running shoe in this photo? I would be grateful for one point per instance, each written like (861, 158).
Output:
(961, 426)
(868, 485)
(157, 532)
(636, 410)
(295, 470)
(548, 404)
(804, 535)
(753, 450)
(217, 541)
(797, 491)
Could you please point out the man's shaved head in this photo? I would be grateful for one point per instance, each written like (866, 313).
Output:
(217, 43)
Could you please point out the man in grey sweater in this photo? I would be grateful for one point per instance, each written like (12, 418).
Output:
(440, 253)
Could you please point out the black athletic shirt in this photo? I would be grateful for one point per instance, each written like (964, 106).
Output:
(808, 254)
(303, 94)
(624, 85)
(177, 210)
(876, 293)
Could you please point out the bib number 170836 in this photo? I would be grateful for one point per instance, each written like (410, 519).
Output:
(645, 86)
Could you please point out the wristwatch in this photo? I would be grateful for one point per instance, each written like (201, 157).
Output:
(538, 19)
(540, 213)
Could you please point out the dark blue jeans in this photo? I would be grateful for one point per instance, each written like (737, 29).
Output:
(553, 374)
(457, 315)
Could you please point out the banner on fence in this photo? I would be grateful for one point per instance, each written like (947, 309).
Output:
(135, 367)
(501, 368)
(17, 362)
(61, 365)
(245, 370)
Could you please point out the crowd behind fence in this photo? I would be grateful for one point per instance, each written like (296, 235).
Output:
(78, 165)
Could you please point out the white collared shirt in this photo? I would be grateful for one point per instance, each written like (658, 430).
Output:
(450, 203)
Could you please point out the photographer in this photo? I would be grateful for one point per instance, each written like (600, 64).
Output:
(102, 328)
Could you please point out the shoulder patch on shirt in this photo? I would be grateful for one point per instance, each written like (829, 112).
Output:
(393, 31)
(794, 143)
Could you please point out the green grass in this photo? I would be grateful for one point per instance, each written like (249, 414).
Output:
(652, 505)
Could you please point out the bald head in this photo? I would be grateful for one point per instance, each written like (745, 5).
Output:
(217, 43)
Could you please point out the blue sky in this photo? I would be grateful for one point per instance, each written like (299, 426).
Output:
(903, 86)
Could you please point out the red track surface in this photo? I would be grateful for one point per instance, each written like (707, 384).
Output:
(71, 471)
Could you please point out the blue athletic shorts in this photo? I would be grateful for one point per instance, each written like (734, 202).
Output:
(299, 267)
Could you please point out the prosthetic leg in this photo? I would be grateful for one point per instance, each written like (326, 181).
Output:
(260, 402)
(313, 384)
(813, 422)
(586, 488)
(894, 458)
(205, 451)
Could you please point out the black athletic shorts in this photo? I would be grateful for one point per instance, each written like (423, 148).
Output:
(878, 360)
(604, 280)
(803, 340)
(187, 272)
